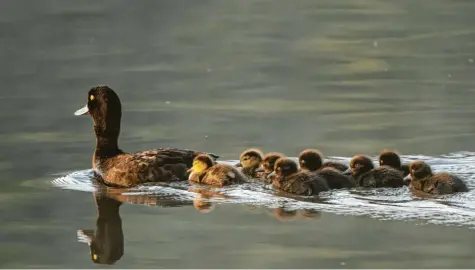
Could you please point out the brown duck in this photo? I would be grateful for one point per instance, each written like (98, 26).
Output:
(267, 165)
(118, 168)
(366, 175)
(289, 179)
(391, 158)
(422, 179)
(311, 160)
(250, 161)
(207, 172)
(315, 161)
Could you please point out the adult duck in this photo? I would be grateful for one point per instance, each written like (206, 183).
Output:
(121, 169)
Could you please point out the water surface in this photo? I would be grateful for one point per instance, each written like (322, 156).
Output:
(345, 77)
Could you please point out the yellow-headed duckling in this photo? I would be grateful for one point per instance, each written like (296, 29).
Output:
(366, 175)
(207, 172)
(311, 160)
(424, 180)
(250, 161)
(118, 168)
(391, 158)
(268, 165)
(289, 179)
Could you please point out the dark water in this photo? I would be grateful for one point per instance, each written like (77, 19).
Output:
(345, 77)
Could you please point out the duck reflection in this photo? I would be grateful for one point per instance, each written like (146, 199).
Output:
(284, 215)
(106, 242)
(202, 202)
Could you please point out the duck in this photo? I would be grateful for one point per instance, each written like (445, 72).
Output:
(288, 178)
(118, 168)
(366, 175)
(250, 162)
(267, 165)
(388, 157)
(423, 179)
(207, 172)
(311, 160)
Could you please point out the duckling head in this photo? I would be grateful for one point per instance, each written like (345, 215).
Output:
(269, 161)
(284, 167)
(104, 106)
(201, 163)
(251, 158)
(310, 160)
(389, 158)
(418, 170)
(360, 164)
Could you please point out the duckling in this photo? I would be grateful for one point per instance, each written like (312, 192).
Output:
(311, 160)
(206, 171)
(365, 175)
(289, 179)
(121, 169)
(250, 161)
(268, 165)
(391, 158)
(424, 180)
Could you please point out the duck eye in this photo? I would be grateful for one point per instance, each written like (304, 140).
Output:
(91, 97)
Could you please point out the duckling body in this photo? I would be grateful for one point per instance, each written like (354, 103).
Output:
(289, 179)
(311, 160)
(205, 171)
(365, 175)
(335, 165)
(391, 159)
(250, 160)
(118, 168)
(422, 179)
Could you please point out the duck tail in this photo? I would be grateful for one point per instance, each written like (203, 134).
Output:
(213, 155)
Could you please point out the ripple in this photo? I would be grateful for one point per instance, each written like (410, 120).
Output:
(382, 203)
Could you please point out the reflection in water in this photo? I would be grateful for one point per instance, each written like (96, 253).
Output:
(202, 202)
(106, 243)
(283, 214)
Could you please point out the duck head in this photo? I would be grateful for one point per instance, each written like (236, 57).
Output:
(251, 159)
(201, 163)
(359, 164)
(284, 167)
(389, 158)
(269, 161)
(310, 160)
(418, 170)
(104, 106)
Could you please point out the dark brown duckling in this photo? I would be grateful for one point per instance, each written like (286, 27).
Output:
(205, 171)
(314, 161)
(391, 158)
(366, 175)
(424, 180)
(250, 161)
(311, 160)
(121, 169)
(289, 179)
(268, 165)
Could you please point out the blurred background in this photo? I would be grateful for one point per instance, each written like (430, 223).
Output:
(345, 77)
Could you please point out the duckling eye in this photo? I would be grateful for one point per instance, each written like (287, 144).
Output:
(91, 97)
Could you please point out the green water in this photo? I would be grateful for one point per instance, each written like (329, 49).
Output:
(346, 77)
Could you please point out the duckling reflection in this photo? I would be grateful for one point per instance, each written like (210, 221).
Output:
(283, 214)
(106, 243)
(202, 201)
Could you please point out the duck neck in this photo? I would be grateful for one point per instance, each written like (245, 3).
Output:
(107, 146)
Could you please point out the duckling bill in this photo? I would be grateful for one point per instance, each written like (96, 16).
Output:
(423, 179)
(118, 168)
(205, 171)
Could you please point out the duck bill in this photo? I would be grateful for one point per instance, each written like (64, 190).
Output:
(260, 169)
(408, 178)
(190, 170)
(83, 111)
(272, 174)
(347, 172)
(239, 165)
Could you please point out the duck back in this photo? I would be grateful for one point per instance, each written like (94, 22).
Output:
(440, 183)
(336, 179)
(381, 177)
(336, 165)
(220, 175)
(302, 183)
